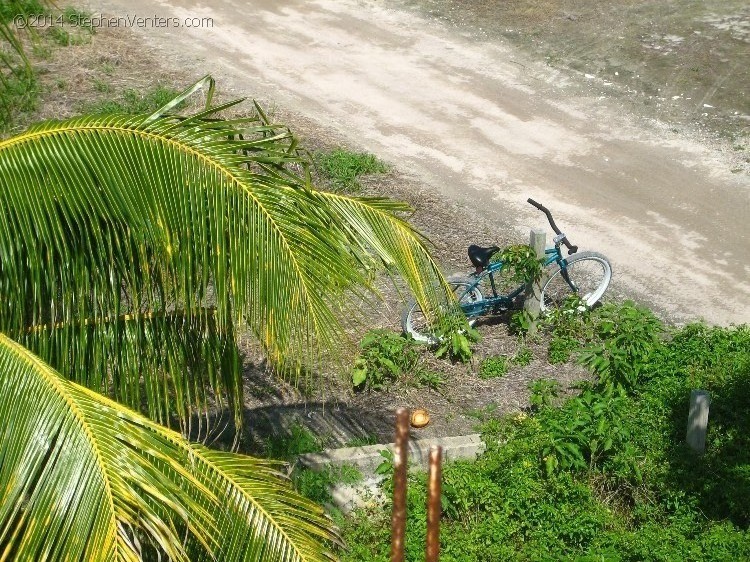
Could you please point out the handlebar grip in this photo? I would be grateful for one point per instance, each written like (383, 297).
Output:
(535, 204)
(571, 249)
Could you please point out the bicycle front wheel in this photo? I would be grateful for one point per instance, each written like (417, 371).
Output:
(587, 274)
(415, 323)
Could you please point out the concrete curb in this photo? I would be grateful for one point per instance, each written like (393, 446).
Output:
(367, 459)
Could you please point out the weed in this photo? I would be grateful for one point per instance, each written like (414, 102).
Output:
(101, 86)
(482, 414)
(9, 10)
(543, 393)
(560, 349)
(455, 337)
(569, 325)
(523, 356)
(430, 379)
(66, 38)
(343, 168)
(108, 68)
(18, 94)
(363, 441)
(385, 356)
(629, 335)
(493, 367)
(297, 440)
(386, 465)
(317, 485)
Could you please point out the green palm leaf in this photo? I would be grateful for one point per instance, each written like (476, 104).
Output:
(113, 215)
(183, 353)
(83, 478)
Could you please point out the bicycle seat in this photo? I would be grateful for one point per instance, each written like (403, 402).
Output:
(479, 256)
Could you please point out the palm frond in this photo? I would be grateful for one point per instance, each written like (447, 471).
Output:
(84, 478)
(112, 215)
(183, 353)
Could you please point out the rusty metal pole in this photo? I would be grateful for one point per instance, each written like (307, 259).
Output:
(400, 454)
(432, 550)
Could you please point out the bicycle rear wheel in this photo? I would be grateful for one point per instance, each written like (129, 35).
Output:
(589, 273)
(415, 323)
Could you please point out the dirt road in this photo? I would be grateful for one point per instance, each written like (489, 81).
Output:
(481, 125)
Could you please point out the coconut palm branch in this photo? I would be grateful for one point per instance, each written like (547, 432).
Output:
(157, 218)
(170, 345)
(84, 478)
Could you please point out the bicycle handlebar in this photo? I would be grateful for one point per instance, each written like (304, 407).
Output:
(571, 249)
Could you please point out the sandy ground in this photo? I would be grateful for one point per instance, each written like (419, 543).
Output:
(484, 127)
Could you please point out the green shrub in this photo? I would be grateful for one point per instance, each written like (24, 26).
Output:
(628, 336)
(493, 367)
(385, 356)
(606, 475)
(543, 393)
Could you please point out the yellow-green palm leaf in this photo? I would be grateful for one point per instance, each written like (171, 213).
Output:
(160, 218)
(84, 478)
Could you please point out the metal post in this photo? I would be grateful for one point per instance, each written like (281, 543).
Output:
(400, 458)
(432, 550)
(533, 296)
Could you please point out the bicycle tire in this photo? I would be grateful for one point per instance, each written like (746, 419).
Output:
(591, 272)
(413, 321)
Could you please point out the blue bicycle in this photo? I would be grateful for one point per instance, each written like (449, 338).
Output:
(586, 274)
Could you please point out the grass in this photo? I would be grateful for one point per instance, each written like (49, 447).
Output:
(342, 169)
(131, 101)
(363, 441)
(18, 94)
(102, 86)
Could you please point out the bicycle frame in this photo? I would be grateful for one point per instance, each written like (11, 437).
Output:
(498, 301)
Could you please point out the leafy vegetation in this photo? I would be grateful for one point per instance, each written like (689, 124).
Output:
(543, 393)
(523, 356)
(387, 357)
(455, 338)
(343, 168)
(135, 247)
(606, 475)
(296, 440)
(493, 367)
(520, 263)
